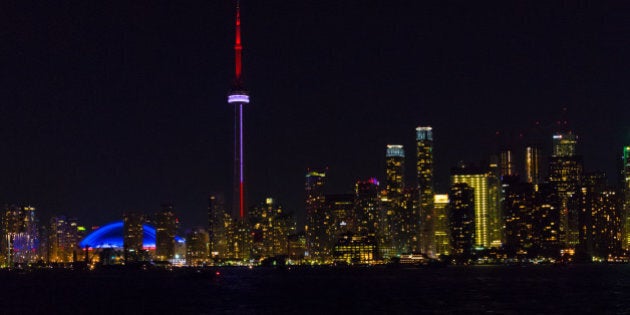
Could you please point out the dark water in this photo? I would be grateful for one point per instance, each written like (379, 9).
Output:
(583, 289)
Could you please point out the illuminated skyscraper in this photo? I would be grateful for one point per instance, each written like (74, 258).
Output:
(441, 225)
(132, 235)
(165, 230)
(20, 235)
(625, 182)
(392, 202)
(424, 167)
(63, 240)
(341, 208)
(488, 219)
(219, 227)
(317, 239)
(507, 163)
(271, 227)
(197, 247)
(367, 206)
(565, 173)
(532, 164)
(238, 96)
(461, 214)
(518, 209)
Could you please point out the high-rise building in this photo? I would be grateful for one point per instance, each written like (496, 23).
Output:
(625, 191)
(441, 225)
(488, 218)
(197, 247)
(133, 235)
(271, 227)
(165, 229)
(532, 164)
(238, 96)
(317, 220)
(341, 209)
(565, 173)
(461, 214)
(424, 167)
(63, 240)
(507, 163)
(409, 226)
(367, 206)
(219, 227)
(20, 235)
(518, 207)
(546, 221)
(390, 238)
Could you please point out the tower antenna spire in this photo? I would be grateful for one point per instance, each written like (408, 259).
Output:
(238, 96)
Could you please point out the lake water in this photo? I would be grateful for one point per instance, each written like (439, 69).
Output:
(593, 289)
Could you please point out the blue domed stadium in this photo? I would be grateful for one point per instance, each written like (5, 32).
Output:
(111, 236)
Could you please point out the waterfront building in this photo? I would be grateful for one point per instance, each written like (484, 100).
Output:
(391, 229)
(355, 249)
(132, 236)
(219, 227)
(565, 174)
(424, 168)
(488, 218)
(63, 240)
(197, 247)
(518, 208)
(19, 235)
(625, 195)
(442, 230)
(317, 220)
(367, 206)
(166, 224)
(271, 227)
(461, 215)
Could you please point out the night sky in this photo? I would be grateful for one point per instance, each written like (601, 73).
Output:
(114, 106)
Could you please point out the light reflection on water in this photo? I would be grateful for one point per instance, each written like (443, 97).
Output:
(497, 289)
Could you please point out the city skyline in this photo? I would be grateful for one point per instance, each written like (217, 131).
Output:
(110, 112)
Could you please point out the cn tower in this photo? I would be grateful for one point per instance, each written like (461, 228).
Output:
(238, 96)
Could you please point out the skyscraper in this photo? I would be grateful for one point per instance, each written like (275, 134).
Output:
(424, 167)
(271, 227)
(317, 243)
(507, 163)
(461, 214)
(165, 229)
(220, 224)
(488, 219)
(197, 247)
(565, 173)
(238, 96)
(133, 235)
(20, 234)
(625, 183)
(390, 238)
(532, 164)
(441, 225)
(63, 240)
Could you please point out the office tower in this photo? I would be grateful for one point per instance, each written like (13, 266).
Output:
(165, 229)
(239, 96)
(518, 207)
(296, 247)
(488, 219)
(219, 227)
(546, 222)
(565, 172)
(410, 221)
(441, 225)
(507, 164)
(625, 191)
(240, 240)
(367, 206)
(20, 235)
(317, 244)
(532, 164)
(392, 202)
(341, 209)
(197, 247)
(599, 218)
(461, 214)
(133, 236)
(424, 167)
(63, 240)
(271, 227)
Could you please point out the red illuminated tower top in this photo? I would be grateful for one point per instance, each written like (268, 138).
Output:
(238, 94)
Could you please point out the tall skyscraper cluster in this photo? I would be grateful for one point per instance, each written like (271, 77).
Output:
(495, 209)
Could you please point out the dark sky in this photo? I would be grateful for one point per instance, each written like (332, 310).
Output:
(113, 105)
